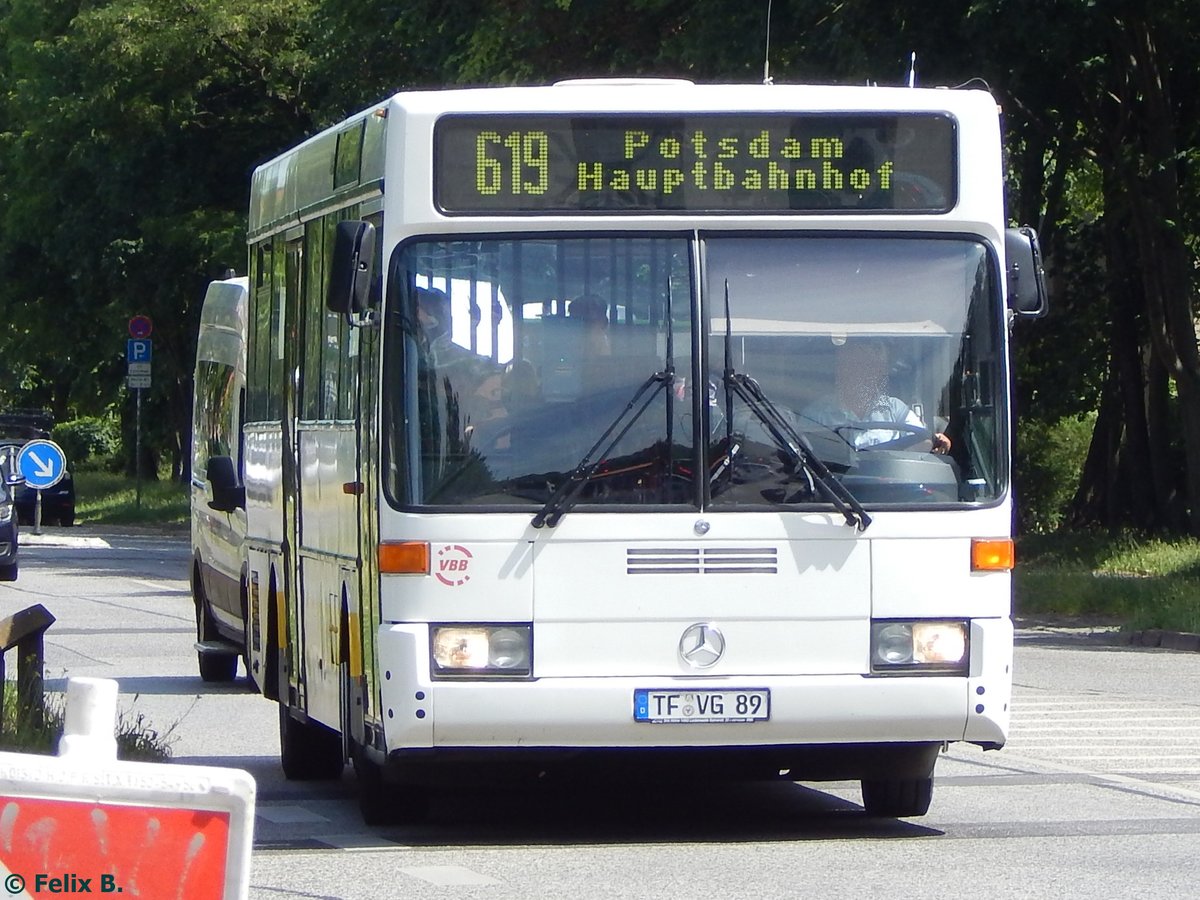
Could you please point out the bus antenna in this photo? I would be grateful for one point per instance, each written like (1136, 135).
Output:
(912, 70)
(767, 52)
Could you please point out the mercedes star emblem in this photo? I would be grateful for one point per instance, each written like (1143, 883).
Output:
(701, 646)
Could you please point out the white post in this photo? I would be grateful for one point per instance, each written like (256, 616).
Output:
(89, 725)
(138, 451)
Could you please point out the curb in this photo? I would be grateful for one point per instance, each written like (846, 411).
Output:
(1167, 640)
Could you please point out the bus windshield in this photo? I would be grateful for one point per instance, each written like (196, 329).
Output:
(693, 371)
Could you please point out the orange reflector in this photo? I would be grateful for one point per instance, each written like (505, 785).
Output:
(994, 556)
(404, 557)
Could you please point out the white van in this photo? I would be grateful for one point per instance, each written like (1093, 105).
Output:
(219, 515)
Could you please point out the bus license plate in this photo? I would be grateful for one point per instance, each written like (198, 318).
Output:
(705, 705)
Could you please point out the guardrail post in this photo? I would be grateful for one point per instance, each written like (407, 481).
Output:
(25, 630)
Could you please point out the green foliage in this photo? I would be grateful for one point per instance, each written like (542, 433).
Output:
(1046, 470)
(139, 741)
(128, 132)
(23, 730)
(1140, 580)
(88, 439)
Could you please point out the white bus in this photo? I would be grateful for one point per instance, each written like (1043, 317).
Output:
(219, 519)
(634, 424)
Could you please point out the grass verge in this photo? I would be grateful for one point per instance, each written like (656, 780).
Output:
(105, 498)
(1142, 582)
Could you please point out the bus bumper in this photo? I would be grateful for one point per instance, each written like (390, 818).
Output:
(850, 709)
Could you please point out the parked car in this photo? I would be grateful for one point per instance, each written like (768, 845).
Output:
(58, 501)
(8, 535)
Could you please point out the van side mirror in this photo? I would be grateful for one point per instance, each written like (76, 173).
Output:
(1026, 279)
(352, 268)
(228, 494)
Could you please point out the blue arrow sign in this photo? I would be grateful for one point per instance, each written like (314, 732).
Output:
(42, 463)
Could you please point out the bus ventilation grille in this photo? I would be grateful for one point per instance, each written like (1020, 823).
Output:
(702, 561)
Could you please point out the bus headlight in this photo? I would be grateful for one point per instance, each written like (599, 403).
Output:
(919, 646)
(482, 650)
(6, 512)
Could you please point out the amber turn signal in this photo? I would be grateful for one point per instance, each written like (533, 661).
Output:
(993, 556)
(404, 557)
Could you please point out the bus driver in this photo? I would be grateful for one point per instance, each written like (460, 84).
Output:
(861, 396)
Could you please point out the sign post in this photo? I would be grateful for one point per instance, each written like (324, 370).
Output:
(139, 351)
(42, 464)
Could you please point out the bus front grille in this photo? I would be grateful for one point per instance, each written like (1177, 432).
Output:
(702, 561)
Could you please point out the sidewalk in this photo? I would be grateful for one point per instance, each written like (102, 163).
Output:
(92, 535)
(1073, 631)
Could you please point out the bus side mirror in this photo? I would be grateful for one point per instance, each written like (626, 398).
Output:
(1026, 279)
(352, 269)
(228, 494)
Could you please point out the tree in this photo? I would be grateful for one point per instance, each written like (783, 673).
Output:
(131, 129)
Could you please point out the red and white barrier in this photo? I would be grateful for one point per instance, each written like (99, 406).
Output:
(83, 822)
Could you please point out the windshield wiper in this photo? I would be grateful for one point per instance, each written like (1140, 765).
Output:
(565, 494)
(795, 445)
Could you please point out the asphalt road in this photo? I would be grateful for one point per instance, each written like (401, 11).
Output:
(1096, 795)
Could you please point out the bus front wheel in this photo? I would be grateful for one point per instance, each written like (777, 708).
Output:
(382, 803)
(308, 751)
(897, 798)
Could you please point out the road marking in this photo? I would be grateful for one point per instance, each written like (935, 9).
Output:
(1118, 741)
(359, 843)
(448, 876)
(288, 815)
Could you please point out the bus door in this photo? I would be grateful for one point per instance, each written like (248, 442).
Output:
(293, 590)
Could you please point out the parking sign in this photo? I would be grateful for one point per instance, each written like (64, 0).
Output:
(138, 350)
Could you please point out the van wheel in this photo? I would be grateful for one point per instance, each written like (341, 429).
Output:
(217, 667)
(308, 751)
(214, 667)
(9, 573)
(899, 798)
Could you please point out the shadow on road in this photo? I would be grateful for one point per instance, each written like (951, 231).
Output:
(180, 685)
(595, 812)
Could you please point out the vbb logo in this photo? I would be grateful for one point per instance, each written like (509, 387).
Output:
(453, 561)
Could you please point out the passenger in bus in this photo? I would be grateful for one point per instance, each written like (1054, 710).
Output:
(861, 396)
(593, 312)
(433, 315)
(468, 384)
(520, 390)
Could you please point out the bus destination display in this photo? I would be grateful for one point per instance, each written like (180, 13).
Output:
(503, 164)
